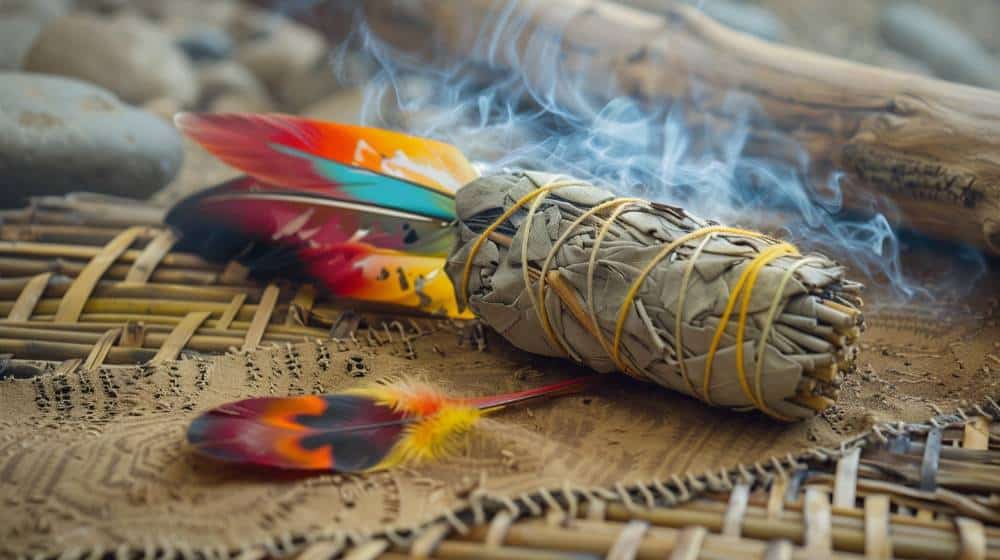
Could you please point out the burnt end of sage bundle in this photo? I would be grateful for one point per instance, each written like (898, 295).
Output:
(728, 316)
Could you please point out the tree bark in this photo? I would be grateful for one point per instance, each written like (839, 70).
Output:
(930, 147)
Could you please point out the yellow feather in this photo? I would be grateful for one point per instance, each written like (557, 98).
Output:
(433, 437)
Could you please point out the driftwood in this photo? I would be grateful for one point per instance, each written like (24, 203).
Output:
(931, 147)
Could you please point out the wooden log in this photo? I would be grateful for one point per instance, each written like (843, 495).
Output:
(931, 147)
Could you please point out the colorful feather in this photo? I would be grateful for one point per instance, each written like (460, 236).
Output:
(277, 215)
(366, 213)
(345, 162)
(363, 429)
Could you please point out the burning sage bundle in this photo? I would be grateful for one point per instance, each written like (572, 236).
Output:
(728, 316)
(557, 266)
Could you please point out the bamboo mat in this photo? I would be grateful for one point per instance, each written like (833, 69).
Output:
(93, 461)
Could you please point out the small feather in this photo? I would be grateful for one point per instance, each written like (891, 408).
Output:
(363, 429)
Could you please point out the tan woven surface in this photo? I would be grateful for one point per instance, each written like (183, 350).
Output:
(92, 455)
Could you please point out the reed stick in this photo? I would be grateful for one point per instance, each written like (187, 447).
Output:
(71, 234)
(597, 538)
(12, 266)
(10, 288)
(285, 334)
(200, 342)
(925, 543)
(85, 252)
(117, 319)
(45, 350)
(146, 306)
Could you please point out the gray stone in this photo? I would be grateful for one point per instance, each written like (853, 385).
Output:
(17, 35)
(329, 75)
(125, 54)
(229, 77)
(755, 20)
(286, 50)
(343, 107)
(940, 44)
(38, 10)
(205, 43)
(59, 135)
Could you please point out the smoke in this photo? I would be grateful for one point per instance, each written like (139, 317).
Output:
(530, 112)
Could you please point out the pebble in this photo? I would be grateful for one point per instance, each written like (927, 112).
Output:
(125, 54)
(327, 76)
(60, 135)
(17, 35)
(281, 51)
(205, 43)
(748, 18)
(201, 170)
(308, 86)
(940, 44)
(230, 78)
(38, 10)
(239, 103)
(343, 107)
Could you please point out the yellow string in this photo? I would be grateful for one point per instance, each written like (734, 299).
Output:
(477, 245)
(591, 312)
(474, 250)
(669, 248)
(679, 318)
(541, 311)
(769, 321)
(774, 252)
(747, 279)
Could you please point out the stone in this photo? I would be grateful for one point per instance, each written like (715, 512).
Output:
(943, 46)
(230, 77)
(201, 170)
(284, 51)
(125, 54)
(330, 74)
(205, 43)
(175, 14)
(343, 107)
(59, 135)
(163, 107)
(38, 10)
(17, 35)
(748, 18)
(239, 103)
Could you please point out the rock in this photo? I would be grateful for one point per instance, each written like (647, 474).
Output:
(230, 77)
(748, 18)
(323, 79)
(201, 170)
(342, 107)
(239, 103)
(307, 87)
(38, 10)
(59, 135)
(287, 50)
(940, 44)
(163, 107)
(17, 35)
(125, 54)
(175, 14)
(205, 43)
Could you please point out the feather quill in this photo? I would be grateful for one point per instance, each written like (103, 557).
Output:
(363, 429)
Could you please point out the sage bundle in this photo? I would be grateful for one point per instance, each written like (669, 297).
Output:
(732, 317)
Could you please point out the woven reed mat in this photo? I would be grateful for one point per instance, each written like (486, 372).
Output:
(95, 461)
